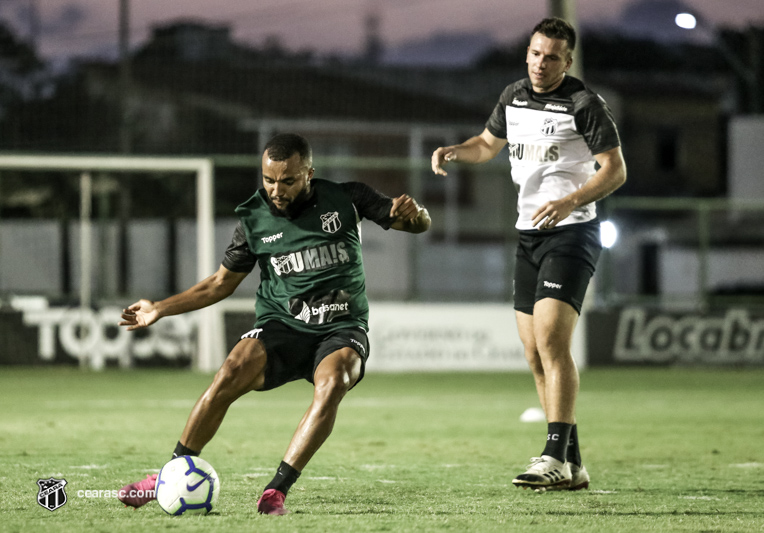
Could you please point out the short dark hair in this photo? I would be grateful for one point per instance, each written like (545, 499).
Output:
(282, 146)
(557, 28)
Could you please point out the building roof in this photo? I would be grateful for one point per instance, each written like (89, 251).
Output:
(292, 91)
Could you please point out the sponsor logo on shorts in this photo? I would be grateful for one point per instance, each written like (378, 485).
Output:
(363, 350)
(272, 238)
(550, 285)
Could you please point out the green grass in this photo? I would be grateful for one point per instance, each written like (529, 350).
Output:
(668, 450)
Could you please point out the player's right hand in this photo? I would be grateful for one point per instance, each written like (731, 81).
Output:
(441, 156)
(141, 314)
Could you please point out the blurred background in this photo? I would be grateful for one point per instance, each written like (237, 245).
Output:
(375, 86)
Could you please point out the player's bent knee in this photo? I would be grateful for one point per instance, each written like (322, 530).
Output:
(332, 387)
(336, 375)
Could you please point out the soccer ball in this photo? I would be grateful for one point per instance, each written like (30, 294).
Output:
(187, 485)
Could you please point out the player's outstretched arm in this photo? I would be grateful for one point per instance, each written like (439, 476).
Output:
(478, 149)
(409, 215)
(218, 286)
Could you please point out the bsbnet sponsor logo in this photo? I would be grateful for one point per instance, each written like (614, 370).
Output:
(321, 311)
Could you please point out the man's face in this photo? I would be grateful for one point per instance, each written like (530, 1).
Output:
(548, 61)
(287, 180)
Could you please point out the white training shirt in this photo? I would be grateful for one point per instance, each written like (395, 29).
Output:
(553, 138)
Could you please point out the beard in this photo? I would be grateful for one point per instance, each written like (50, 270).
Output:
(294, 207)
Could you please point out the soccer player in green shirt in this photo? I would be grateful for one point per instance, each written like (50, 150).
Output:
(312, 310)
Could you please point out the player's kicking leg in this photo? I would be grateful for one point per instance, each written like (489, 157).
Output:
(334, 376)
(242, 371)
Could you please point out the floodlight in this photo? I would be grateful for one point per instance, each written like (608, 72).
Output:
(608, 234)
(686, 21)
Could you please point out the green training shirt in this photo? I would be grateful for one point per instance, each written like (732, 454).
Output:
(311, 266)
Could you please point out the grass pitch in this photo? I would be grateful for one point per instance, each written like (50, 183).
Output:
(668, 450)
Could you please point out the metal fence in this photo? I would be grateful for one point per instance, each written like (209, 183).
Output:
(672, 252)
(684, 253)
(149, 247)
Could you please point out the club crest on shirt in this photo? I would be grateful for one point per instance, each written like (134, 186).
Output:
(549, 127)
(330, 222)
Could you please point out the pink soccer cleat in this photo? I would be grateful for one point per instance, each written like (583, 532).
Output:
(271, 502)
(139, 493)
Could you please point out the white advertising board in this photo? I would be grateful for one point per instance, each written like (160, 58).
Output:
(447, 337)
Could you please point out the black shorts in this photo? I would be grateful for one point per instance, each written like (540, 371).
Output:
(556, 263)
(293, 354)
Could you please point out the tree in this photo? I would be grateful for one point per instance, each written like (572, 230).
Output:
(21, 71)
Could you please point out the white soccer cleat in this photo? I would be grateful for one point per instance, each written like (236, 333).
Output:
(545, 472)
(579, 477)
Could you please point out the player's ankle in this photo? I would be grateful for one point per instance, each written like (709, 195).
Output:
(285, 477)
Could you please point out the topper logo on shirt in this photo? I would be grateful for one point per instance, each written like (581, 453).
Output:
(330, 222)
(555, 107)
(519, 103)
(272, 238)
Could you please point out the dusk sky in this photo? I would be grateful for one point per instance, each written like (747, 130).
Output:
(86, 27)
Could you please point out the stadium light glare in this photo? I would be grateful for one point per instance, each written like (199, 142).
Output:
(608, 234)
(746, 72)
(686, 21)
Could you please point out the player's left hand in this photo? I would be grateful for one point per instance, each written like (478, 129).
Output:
(405, 208)
(141, 314)
(552, 213)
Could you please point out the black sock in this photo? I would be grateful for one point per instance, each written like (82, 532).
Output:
(573, 455)
(284, 478)
(182, 450)
(558, 435)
